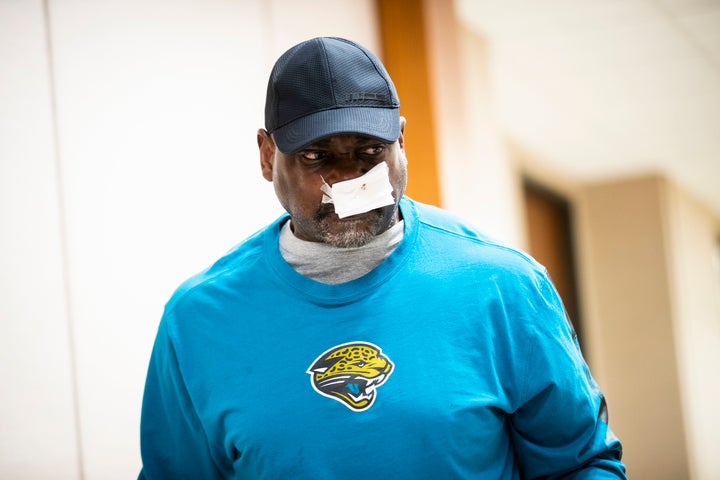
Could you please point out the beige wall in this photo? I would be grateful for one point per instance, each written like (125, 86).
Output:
(653, 312)
(626, 253)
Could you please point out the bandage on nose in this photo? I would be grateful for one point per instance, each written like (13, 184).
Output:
(362, 194)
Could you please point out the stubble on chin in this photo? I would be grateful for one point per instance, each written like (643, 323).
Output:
(351, 232)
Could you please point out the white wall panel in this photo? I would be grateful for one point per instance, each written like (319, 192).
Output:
(158, 105)
(37, 423)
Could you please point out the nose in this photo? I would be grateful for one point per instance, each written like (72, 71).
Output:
(346, 169)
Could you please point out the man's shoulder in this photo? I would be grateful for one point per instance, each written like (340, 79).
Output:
(449, 222)
(456, 235)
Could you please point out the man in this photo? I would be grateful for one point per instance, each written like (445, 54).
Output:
(365, 335)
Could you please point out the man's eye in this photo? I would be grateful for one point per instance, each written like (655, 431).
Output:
(373, 150)
(312, 156)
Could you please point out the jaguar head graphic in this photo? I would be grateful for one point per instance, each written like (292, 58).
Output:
(351, 373)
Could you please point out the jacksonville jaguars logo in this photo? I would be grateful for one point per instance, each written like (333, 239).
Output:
(351, 373)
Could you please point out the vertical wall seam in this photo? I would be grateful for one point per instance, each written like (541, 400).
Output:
(63, 230)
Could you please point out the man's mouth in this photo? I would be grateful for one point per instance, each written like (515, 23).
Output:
(327, 211)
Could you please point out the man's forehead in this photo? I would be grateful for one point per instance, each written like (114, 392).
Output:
(343, 138)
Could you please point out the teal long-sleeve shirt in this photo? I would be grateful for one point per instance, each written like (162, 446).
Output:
(452, 359)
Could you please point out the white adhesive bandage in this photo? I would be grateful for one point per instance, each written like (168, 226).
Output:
(362, 194)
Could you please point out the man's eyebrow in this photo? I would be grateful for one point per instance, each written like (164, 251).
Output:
(372, 140)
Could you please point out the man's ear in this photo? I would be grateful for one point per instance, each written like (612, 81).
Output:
(401, 138)
(267, 154)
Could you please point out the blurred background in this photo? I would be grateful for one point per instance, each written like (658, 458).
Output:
(584, 131)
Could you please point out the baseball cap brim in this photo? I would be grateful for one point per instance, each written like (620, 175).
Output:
(376, 122)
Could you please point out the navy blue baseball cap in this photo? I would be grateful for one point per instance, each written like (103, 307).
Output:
(328, 86)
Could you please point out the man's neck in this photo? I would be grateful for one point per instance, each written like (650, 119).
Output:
(328, 264)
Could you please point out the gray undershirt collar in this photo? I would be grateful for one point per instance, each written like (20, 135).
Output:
(332, 265)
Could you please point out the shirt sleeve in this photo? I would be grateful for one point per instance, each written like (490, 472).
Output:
(173, 442)
(560, 428)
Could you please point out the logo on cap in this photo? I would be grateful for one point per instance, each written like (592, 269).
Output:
(362, 96)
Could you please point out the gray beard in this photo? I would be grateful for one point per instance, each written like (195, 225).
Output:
(357, 233)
